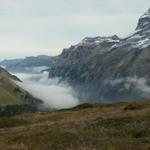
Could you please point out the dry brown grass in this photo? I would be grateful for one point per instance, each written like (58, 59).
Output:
(122, 126)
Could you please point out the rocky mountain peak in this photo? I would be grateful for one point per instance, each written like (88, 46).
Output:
(100, 39)
(144, 21)
(140, 38)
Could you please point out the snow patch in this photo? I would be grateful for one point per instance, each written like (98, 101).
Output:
(143, 43)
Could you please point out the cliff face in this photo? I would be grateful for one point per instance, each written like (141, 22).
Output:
(108, 68)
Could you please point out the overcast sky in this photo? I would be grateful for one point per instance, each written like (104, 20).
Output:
(33, 27)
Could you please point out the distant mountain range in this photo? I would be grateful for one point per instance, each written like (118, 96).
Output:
(25, 65)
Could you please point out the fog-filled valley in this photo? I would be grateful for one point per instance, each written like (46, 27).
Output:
(54, 93)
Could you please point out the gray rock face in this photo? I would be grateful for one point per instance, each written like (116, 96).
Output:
(108, 68)
(144, 21)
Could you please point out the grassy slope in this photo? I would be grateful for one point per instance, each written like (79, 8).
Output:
(10, 93)
(14, 94)
(122, 126)
(7, 98)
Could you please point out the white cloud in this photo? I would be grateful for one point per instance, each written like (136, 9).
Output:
(53, 93)
(139, 84)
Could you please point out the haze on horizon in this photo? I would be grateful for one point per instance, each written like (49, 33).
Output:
(34, 27)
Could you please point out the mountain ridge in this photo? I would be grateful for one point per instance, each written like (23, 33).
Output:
(92, 65)
(22, 65)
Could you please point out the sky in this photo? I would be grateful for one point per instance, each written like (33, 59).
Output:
(35, 27)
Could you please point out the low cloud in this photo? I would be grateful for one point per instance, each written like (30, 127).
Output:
(55, 94)
(139, 84)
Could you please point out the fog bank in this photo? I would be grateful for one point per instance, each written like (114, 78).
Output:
(54, 94)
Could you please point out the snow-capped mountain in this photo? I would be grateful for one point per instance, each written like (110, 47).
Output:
(141, 37)
(109, 68)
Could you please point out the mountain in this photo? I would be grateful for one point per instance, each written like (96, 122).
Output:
(11, 95)
(119, 126)
(10, 62)
(108, 68)
(25, 65)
